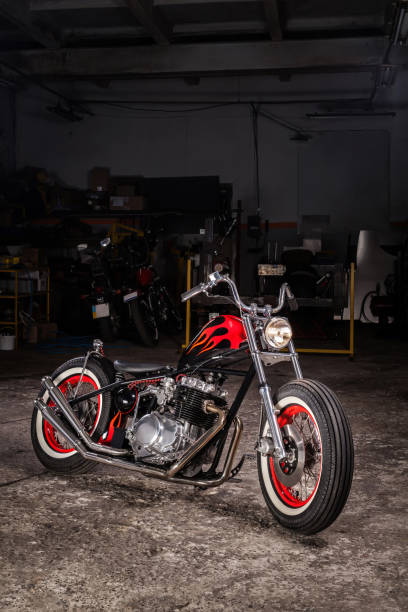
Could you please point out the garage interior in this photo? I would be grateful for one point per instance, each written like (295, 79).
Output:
(143, 145)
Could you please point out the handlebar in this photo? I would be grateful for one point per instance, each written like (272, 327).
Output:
(292, 302)
(264, 311)
(187, 295)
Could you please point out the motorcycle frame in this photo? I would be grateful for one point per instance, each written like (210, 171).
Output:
(253, 318)
(256, 367)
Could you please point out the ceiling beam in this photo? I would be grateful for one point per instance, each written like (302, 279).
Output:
(273, 19)
(18, 14)
(220, 27)
(69, 5)
(201, 58)
(146, 14)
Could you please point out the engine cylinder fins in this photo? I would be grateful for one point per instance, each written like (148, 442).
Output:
(189, 406)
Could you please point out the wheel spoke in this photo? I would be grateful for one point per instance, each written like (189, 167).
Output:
(85, 411)
(302, 442)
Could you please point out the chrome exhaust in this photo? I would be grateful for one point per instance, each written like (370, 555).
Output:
(152, 472)
(61, 402)
(199, 444)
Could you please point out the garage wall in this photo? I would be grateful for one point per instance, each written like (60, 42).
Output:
(345, 167)
(351, 170)
(7, 130)
(214, 142)
(399, 148)
(346, 175)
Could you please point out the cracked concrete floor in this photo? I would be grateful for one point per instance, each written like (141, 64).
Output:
(112, 540)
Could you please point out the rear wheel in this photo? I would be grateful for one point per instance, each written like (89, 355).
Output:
(144, 321)
(308, 489)
(51, 448)
(109, 327)
(170, 317)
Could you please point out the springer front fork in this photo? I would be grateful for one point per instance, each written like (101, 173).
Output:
(265, 389)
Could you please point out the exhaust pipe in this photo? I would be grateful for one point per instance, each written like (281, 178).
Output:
(61, 401)
(152, 472)
(199, 444)
(64, 430)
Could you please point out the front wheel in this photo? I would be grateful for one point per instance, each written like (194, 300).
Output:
(307, 490)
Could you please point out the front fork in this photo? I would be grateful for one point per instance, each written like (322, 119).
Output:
(265, 390)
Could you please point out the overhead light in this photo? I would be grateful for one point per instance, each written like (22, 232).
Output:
(348, 115)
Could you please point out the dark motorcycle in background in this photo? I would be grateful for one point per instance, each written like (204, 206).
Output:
(174, 423)
(102, 297)
(150, 305)
(127, 296)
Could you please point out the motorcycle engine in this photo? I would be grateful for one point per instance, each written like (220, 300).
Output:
(177, 420)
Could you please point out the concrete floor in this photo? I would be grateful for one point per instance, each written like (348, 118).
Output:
(111, 540)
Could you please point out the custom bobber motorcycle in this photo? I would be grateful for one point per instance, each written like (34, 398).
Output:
(174, 423)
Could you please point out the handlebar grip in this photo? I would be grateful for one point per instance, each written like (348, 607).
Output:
(292, 303)
(187, 295)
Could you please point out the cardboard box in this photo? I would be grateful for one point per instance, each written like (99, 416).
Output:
(47, 331)
(98, 179)
(119, 203)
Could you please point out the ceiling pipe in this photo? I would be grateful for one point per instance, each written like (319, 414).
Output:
(349, 115)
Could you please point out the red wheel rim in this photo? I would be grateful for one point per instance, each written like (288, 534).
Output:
(288, 494)
(49, 432)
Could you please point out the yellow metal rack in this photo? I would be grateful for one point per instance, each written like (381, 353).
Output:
(17, 295)
(350, 349)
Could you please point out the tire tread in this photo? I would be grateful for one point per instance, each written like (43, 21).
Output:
(318, 517)
(74, 464)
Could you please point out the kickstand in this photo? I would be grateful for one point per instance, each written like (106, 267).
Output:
(237, 469)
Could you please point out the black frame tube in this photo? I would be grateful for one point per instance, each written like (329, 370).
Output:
(221, 437)
(233, 411)
(184, 370)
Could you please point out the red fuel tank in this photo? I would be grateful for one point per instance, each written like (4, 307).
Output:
(218, 335)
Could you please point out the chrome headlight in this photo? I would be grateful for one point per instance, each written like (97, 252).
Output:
(278, 332)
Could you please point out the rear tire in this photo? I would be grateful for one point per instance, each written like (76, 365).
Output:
(50, 447)
(172, 320)
(307, 491)
(109, 327)
(144, 322)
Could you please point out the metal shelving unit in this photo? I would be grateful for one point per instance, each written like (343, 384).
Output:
(348, 350)
(17, 296)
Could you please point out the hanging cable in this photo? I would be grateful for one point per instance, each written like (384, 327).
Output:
(50, 90)
(282, 122)
(255, 112)
(167, 110)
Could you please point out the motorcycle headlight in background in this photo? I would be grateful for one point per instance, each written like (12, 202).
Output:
(278, 332)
